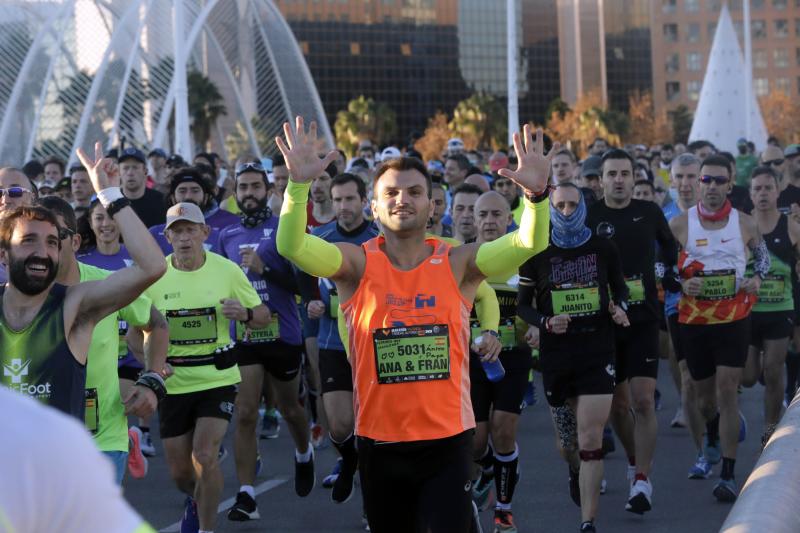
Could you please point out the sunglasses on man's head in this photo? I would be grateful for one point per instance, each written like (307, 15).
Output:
(719, 180)
(253, 166)
(14, 192)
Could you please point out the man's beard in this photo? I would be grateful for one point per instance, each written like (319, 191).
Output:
(260, 205)
(22, 282)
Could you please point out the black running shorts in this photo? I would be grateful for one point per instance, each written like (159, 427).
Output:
(281, 360)
(572, 375)
(504, 395)
(636, 351)
(774, 325)
(335, 371)
(178, 413)
(708, 346)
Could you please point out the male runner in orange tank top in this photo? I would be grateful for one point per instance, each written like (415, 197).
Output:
(407, 300)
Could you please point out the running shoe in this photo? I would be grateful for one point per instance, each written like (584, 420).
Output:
(725, 491)
(222, 454)
(190, 523)
(304, 479)
(317, 436)
(259, 464)
(244, 509)
(701, 469)
(630, 474)
(504, 522)
(529, 400)
(742, 427)
(678, 421)
(330, 479)
(640, 497)
(588, 527)
(482, 492)
(270, 425)
(574, 487)
(608, 441)
(147, 445)
(137, 462)
(712, 451)
(344, 485)
(603, 486)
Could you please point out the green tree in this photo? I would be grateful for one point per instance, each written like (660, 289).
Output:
(237, 143)
(206, 105)
(681, 119)
(481, 121)
(364, 118)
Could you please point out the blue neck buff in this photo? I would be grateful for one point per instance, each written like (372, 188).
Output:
(569, 231)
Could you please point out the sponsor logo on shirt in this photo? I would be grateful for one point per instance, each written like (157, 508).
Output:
(17, 370)
(701, 242)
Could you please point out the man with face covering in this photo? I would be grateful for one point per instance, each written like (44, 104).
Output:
(188, 185)
(575, 313)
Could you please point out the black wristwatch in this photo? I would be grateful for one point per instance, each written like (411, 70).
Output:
(249, 316)
(540, 196)
(115, 206)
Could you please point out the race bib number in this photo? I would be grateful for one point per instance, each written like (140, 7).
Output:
(123, 328)
(576, 300)
(92, 415)
(267, 334)
(192, 326)
(635, 290)
(717, 284)
(333, 307)
(412, 353)
(772, 289)
(507, 331)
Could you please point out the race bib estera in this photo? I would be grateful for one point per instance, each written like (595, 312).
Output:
(267, 334)
(412, 353)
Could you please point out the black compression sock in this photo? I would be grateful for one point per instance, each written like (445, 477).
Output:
(727, 468)
(487, 461)
(505, 476)
(347, 449)
(144, 429)
(712, 428)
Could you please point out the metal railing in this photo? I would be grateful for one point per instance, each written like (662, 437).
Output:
(770, 499)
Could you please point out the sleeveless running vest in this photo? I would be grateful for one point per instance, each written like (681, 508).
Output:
(37, 360)
(720, 258)
(409, 349)
(775, 293)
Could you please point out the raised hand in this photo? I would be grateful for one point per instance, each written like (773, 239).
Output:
(102, 170)
(533, 165)
(300, 152)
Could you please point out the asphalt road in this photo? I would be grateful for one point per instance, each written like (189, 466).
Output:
(541, 502)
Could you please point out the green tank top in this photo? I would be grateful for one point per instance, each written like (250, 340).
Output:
(776, 289)
(37, 360)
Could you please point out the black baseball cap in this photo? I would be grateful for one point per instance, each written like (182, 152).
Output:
(132, 153)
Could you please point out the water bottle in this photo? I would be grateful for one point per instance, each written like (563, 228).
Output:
(494, 369)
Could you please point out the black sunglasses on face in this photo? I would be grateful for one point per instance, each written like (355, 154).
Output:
(719, 180)
(774, 162)
(14, 192)
(65, 233)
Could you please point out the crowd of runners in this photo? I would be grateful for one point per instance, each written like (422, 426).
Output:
(402, 310)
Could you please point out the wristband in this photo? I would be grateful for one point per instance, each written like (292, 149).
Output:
(115, 206)
(249, 316)
(547, 326)
(154, 382)
(538, 196)
(108, 195)
(491, 332)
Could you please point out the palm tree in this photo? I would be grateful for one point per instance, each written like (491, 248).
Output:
(480, 121)
(206, 105)
(364, 119)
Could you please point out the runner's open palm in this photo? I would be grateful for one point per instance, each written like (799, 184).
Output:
(299, 150)
(533, 165)
(102, 170)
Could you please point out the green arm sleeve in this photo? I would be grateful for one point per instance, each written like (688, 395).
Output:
(487, 307)
(508, 252)
(310, 253)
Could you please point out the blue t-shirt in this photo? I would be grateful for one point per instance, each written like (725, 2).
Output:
(328, 337)
(279, 300)
(217, 219)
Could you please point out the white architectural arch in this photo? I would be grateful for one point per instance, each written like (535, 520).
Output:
(80, 71)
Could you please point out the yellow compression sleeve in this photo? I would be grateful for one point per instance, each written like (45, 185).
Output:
(312, 254)
(507, 253)
(487, 308)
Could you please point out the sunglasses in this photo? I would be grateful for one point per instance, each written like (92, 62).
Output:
(719, 180)
(774, 162)
(660, 190)
(14, 192)
(250, 167)
(65, 233)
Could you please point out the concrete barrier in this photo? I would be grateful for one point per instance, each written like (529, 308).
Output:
(770, 499)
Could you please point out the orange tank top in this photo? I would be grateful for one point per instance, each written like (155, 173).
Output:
(409, 349)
